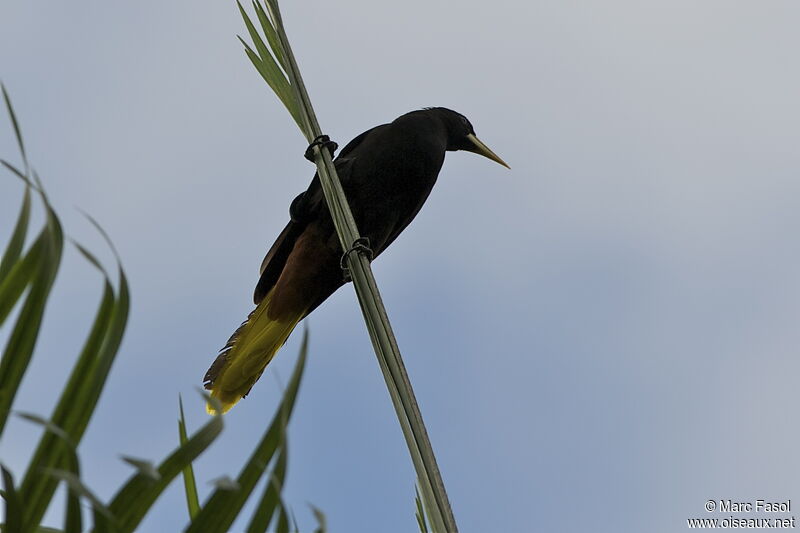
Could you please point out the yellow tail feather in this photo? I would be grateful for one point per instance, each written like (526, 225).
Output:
(246, 355)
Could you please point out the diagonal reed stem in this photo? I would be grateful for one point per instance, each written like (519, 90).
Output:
(377, 321)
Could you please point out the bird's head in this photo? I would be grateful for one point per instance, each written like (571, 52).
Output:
(461, 134)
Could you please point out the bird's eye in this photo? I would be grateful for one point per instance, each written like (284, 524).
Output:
(466, 124)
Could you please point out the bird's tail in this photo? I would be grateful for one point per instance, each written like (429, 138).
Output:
(244, 357)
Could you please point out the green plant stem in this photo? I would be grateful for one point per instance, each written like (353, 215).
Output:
(380, 330)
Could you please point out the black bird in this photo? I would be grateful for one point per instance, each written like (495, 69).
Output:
(387, 173)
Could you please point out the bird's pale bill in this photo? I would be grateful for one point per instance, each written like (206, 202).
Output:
(485, 151)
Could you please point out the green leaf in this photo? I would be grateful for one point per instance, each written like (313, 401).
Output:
(189, 483)
(225, 483)
(49, 426)
(73, 519)
(274, 78)
(103, 234)
(19, 277)
(50, 453)
(423, 525)
(145, 468)
(134, 499)
(102, 523)
(87, 395)
(55, 459)
(222, 507)
(427, 504)
(20, 174)
(79, 397)
(265, 63)
(89, 256)
(15, 124)
(37, 184)
(75, 484)
(283, 519)
(17, 241)
(263, 51)
(322, 522)
(270, 34)
(14, 509)
(19, 348)
(262, 515)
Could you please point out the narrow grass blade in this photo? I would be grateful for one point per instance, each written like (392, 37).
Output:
(102, 523)
(48, 453)
(145, 468)
(283, 519)
(276, 78)
(80, 395)
(75, 484)
(37, 184)
(14, 509)
(429, 507)
(73, 519)
(265, 63)
(17, 241)
(420, 513)
(189, 483)
(272, 36)
(268, 72)
(87, 395)
(89, 256)
(322, 522)
(261, 48)
(19, 277)
(222, 507)
(225, 483)
(265, 510)
(20, 174)
(19, 349)
(135, 498)
(47, 425)
(15, 124)
(103, 233)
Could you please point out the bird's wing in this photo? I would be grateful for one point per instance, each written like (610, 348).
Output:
(309, 204)
(352, 145)
(273, 262)
(306, 207)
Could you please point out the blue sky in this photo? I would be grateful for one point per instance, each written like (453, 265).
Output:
(601, 339)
